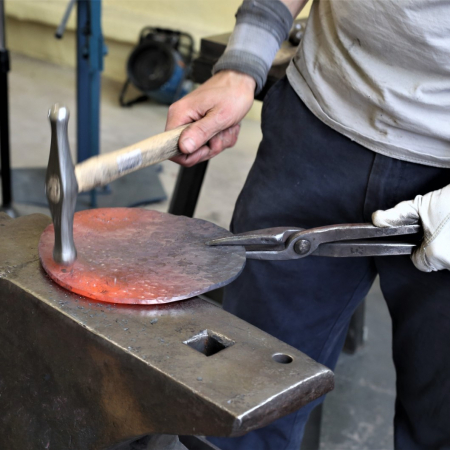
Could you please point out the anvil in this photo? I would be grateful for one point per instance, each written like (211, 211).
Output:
(79, 374)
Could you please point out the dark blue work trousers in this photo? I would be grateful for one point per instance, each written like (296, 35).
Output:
(308, 175)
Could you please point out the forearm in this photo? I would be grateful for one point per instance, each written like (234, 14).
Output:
(261, 27)
(218, 106)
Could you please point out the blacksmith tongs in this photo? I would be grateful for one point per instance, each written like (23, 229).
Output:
(344, 240)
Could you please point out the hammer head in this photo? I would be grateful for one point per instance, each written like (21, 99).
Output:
(61, 186)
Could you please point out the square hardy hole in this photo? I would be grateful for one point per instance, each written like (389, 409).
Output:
(208, 342)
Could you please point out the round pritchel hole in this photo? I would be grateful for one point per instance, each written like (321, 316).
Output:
(282, 358)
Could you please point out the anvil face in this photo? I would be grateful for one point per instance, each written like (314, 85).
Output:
(80, 374)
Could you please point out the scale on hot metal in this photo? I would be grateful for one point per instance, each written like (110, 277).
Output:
(138, 256)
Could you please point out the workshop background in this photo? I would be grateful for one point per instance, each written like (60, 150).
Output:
(358, 414)
(31, 25)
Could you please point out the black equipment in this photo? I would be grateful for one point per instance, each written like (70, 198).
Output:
(159, 66)
(4, 116)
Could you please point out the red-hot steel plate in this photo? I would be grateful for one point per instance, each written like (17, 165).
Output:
(137, 256)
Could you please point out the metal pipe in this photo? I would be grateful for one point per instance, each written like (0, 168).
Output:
(62, 26)
(90, 53)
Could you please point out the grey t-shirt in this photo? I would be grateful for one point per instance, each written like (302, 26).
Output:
(378, 71)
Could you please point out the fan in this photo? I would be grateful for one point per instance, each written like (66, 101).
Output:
(159, 66)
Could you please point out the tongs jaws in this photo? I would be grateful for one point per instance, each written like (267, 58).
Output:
(267, 236)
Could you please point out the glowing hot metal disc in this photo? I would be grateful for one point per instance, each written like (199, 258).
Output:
(137, 256)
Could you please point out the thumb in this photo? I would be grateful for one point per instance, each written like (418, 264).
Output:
(421, 260)
(405, 213)
(200, 132)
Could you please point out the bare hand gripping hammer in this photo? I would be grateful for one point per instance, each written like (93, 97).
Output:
(64, 180)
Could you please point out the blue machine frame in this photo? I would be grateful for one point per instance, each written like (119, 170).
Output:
(91, 50)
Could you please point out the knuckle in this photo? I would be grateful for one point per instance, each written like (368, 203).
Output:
(215, 143)
(178, 107)
(173, 111)
(215, 153)
(230, 139)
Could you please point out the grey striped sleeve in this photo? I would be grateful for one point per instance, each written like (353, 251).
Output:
(261, 27)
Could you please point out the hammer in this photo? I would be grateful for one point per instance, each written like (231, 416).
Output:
(64, 180)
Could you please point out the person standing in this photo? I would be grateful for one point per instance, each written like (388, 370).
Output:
(358, 130)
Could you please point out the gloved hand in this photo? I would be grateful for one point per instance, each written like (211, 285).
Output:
(433, 212)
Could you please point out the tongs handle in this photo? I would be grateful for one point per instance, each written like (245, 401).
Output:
(284, 243)
(361, 248)
(307, 242)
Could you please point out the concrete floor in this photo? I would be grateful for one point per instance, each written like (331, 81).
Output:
(358, 414)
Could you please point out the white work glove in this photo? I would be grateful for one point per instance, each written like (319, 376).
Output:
(433, 212)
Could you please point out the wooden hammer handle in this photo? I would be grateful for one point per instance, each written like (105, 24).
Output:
(102, 169)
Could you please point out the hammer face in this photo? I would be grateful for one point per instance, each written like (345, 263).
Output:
(61, 186)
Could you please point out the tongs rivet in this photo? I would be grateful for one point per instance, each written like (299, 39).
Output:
(302, 246)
